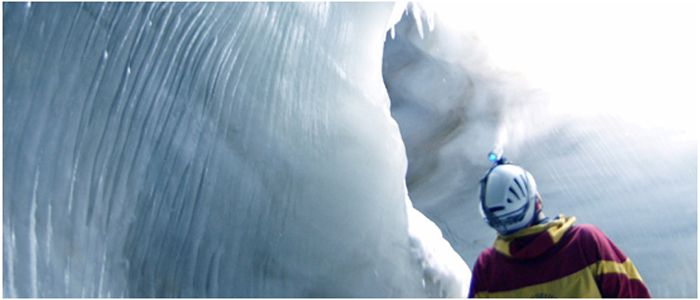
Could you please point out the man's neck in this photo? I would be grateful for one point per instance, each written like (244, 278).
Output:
(540, 219)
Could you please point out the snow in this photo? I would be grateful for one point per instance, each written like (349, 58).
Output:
(597, 100)
(333, 149)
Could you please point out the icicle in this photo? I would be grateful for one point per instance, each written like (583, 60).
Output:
(400, 8)
(415, 9)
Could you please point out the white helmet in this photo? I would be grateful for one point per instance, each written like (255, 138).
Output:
(507, 194)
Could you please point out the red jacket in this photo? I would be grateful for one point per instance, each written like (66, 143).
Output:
(556, 259)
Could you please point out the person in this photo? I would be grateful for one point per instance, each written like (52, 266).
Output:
(535, 256)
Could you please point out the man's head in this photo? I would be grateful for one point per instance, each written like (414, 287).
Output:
(509, 198)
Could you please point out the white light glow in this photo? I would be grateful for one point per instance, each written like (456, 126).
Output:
(638, 60)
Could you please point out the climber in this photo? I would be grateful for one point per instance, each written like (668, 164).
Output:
(535, 256)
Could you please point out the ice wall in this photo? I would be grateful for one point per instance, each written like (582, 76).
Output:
(605, 159)
(204, 149)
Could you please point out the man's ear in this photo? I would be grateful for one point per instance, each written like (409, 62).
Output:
(538, 202)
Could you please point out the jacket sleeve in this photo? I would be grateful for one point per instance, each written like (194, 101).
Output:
(616, 276)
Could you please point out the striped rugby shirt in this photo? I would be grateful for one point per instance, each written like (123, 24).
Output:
(555, 260)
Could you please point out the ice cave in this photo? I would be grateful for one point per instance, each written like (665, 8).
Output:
(333, 149)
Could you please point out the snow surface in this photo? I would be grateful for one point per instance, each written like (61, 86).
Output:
(208, 149)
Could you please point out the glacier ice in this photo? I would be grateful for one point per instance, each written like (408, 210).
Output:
(250, 149)
(606, 147)
(207, 149)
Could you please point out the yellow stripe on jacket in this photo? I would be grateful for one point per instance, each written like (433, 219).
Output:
(581, 284)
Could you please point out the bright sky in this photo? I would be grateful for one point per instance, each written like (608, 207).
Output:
(638, 59)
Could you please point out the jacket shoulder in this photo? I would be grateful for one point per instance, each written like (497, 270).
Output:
(587, 233)
(596, 243)
(586, 228)
(485, 263)
(486, 256)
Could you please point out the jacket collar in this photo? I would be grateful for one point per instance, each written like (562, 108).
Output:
(535, 240)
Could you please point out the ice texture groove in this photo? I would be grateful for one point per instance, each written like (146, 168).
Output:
(203, 150)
